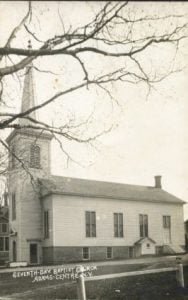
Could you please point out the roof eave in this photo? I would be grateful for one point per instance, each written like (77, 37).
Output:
(109, 197)
(28, 132)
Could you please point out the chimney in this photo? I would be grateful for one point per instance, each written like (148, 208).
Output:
(158, 182)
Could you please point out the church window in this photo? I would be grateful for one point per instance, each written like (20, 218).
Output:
(90, 218)
(85, 253)
(4, 243)
(166, 222)
(4, 228)
(143, 220)
(13, 207)
(35, 156)
(109, 252)
(46, 225)
(118, 224)
(1, 243)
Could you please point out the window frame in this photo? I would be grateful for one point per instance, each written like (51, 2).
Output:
(35, 156)
(118, 225)
(90, 224)
(1, 227)
(143, 225)
(88, 253)
(4, 244)
(6, 239)
(1, 244)
(111, 252)
(167, 222)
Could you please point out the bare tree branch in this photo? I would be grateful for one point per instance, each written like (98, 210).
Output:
(112, 34)
(17, 28)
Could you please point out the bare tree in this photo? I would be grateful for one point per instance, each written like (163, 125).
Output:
(117, 32)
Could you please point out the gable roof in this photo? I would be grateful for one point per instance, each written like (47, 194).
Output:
(144, 240)
(101, 189)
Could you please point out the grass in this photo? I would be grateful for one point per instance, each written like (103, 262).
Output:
(161, 286)
(8, 284)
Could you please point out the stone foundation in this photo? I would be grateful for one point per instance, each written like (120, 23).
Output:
(58, 255)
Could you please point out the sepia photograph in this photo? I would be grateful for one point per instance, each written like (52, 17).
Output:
(93, 150)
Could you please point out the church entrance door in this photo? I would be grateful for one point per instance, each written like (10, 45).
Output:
(33, 253)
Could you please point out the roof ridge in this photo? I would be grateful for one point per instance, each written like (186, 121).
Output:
(101, 189)
(102, 181)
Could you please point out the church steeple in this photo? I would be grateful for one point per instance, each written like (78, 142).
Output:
(28, 96)
(30, 144)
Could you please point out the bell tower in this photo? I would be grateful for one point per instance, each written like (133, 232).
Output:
(29, 160)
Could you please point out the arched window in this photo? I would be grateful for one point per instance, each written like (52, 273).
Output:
(35, 156)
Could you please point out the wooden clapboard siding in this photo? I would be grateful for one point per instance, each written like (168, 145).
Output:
(29, 222)
(69, 221)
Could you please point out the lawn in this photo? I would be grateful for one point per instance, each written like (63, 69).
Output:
(143, 287)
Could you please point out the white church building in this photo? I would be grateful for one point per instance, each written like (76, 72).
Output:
(57, 219)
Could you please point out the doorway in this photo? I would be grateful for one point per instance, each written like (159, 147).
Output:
(33, 253)
(14, 251)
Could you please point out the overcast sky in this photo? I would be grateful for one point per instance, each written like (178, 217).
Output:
(150, 135)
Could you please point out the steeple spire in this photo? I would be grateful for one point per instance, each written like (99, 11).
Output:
(28, 97)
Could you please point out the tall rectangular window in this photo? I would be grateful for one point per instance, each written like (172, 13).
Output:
(118, 224)
(166, 222)
(35, 156)
(90, 221)
(1, 243)
(4, 243)
(46, 225)
(13, 207)
(143, 223)
(4, 227)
